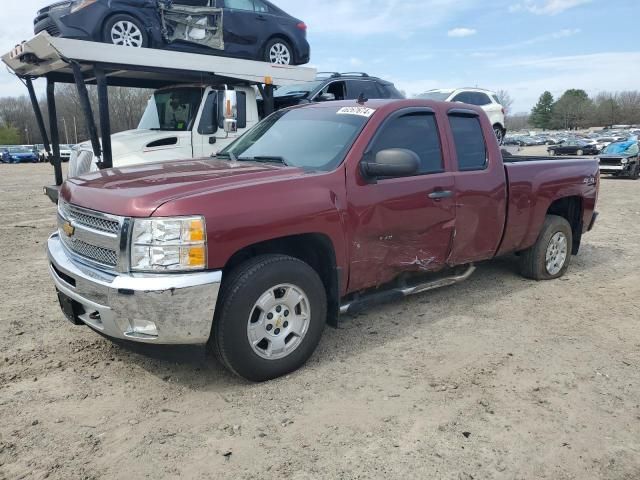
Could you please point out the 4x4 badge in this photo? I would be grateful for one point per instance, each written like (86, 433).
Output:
(68, 229)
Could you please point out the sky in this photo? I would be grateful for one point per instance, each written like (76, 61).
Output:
(522, 46)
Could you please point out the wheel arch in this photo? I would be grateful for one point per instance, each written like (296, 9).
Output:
(148, 29)
(281, 36)
(571, 209)
(315, 249)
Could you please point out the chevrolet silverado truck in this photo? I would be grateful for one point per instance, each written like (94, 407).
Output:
(319, 210)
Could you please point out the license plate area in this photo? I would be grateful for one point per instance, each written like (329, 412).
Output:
(71, 309)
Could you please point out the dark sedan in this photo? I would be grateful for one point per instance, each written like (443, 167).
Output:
(573, 147)
(251, 29)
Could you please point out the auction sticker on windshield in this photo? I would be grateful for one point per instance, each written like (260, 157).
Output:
(361, 111)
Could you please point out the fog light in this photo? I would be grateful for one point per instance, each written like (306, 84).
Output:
(145, 327)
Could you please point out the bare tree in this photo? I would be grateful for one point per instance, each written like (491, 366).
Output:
(505, 100)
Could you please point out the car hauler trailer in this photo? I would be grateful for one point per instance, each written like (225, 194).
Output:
(60, 60)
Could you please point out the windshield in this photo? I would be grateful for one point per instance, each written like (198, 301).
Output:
(316, 138)
(622, 148)
(300, 89)
(438, 96)
(19, 150)
(174, 110)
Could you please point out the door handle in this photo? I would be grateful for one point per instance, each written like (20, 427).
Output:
(262, 18)
(440, 194)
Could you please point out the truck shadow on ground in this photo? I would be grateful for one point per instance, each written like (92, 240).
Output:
(194, 367)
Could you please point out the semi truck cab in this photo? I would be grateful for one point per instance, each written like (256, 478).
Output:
(180, 122)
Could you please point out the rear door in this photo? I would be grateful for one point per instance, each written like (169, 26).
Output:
(402, 224)
(242, 27)
(480, 186)
(368, 88)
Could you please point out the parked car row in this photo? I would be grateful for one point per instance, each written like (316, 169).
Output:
(30, 153)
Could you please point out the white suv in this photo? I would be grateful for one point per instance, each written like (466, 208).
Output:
(485, 99)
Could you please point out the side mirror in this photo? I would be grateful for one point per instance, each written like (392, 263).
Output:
(393, 162)
(230, 125)
(326, 97)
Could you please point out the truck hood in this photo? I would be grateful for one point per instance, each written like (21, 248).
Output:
(138, 141)
(138, 191)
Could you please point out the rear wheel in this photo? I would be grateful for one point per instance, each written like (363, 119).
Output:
(499, 131)
(579, 153)
(549, 258)
(278, 52)
(126, 31)
(552, 153)
(270, 317)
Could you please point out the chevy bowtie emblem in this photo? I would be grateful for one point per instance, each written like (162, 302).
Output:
(68, 229)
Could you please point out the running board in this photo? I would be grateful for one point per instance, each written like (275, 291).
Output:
(386, 296)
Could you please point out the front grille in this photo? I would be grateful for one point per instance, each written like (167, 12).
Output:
(82, 217)
(91, 235)
(100, 255)
(49, 26)
(611, 161)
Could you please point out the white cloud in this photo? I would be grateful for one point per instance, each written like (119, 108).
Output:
(461, 32)
(547, 7)
(362, 18)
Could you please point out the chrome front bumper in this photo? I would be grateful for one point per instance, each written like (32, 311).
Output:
(181, 306)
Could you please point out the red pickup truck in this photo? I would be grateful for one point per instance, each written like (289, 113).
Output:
(318, 210)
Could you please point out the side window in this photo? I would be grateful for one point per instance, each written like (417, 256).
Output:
(367, 87)
(417, 132)
(464, 97)
(239, 4)
(336, 88)
(208, 122)
(482, 99)
(192, 3)
(260, 7)
(469, 140)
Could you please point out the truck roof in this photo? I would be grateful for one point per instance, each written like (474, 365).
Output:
(44, 55)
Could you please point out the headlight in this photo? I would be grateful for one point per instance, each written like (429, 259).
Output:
(169, 244)
(624, 161)
(80, 4)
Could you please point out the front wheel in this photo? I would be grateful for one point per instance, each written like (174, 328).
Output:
(550, 256)
(497, 129)
(635, 174)
(125, 30)
(270, 317)
(579, 153)
(278, 52)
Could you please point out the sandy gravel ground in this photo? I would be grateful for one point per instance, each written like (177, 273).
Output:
(496, 378)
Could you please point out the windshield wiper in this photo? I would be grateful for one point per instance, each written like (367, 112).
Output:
(265, 159)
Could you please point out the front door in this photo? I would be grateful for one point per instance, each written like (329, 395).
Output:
(403, 224)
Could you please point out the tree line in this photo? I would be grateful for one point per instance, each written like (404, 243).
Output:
(575, 109)
(18, 123)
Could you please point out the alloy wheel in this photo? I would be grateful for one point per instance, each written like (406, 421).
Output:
(279, 54)
(557, 252)
(279, 321)
(127, 34)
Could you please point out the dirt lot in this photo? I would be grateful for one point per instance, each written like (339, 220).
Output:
(499, 377)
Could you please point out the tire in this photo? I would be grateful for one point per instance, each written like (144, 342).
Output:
(534, 261)
(499, 132)
(552, 153)
(579, 153)
(279, 52)
(125, 30)
(238, 316)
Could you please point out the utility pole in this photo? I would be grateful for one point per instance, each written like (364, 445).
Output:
(66, 133)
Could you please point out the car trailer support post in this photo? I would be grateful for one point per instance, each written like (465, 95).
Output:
(105, 122)
(268, 99)
(83, 94)
(38, 113)
(53, 128)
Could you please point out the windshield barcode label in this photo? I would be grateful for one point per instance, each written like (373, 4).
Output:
(362, 111)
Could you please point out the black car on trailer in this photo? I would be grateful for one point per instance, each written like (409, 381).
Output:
(249, 29)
